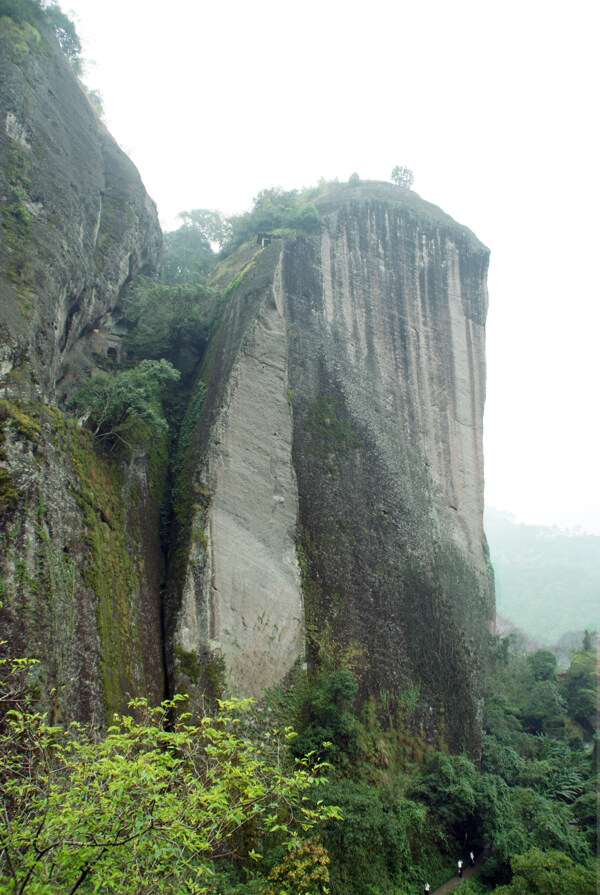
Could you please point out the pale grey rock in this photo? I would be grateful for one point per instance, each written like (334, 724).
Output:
(248, 604)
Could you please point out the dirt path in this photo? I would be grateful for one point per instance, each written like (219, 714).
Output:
(467, 871)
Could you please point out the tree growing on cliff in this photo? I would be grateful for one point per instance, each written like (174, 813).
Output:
(114, 404)
(209, 223)
(66, 34)
(189, 251)
(403, 177)
(169, 320)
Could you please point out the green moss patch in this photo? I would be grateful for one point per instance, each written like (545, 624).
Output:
(331, 438)
(109, 570)
(15, 217)
(13, 415)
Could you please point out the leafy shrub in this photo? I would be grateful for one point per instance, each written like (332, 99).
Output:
(371, 849)
(326, 717)
(171, 321)
(304, 871)
(548, 873)
(150, 806)
(448, 786)
(114, 404)
(274, 211)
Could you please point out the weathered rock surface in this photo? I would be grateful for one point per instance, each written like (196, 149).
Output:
(80, 567)
(242, 595)
(373, 332)
(80, 559)
(76, 224)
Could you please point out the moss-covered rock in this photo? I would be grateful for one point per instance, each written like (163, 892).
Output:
(81, 565)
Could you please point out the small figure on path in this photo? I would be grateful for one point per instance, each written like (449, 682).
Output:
(460, 866)
(427, 889)
(472, 858)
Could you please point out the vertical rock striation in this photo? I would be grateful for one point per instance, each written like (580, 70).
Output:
(329, 491)
(372, 333)
(387, 367)
(242, 597)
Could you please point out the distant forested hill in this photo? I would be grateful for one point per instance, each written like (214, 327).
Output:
(547, 579)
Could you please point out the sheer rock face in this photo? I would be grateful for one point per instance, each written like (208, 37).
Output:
(351, 377)
(80, 558)
(242, 594)
(81, 568)
(77, 221)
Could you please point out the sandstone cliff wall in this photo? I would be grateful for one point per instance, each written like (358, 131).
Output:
(80, 560)
(353, 396)
(327, 495)
(242, 597)
(76, 223)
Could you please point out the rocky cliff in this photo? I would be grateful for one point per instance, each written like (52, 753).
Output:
(327, 486)
(76, 221)
(80, 564)
(338, 462)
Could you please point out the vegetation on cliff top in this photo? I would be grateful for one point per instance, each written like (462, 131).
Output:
(39, 14)
(160, 798)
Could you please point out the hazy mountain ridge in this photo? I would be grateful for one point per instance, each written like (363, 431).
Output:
(547, 579)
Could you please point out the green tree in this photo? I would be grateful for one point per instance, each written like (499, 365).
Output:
(403, 177)
(273, 210)
(211, 224)
(66, 35)
(326, 717)
(303, 871)
(115, 404)
(548, 873)
(581, 684)
(35, 12)
(174, 321)
(309, 218)
(542, 665)
(371, 849)
(544, 708)
(21, 11)
(150, 807)
(188, 256)
(448, 786)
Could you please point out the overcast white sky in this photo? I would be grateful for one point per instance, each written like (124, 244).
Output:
(493, 105)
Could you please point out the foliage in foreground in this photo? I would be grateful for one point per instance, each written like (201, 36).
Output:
(152, 806)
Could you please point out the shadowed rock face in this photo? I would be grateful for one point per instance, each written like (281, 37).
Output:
(80, 559)
(77, 223)
(351, 379)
